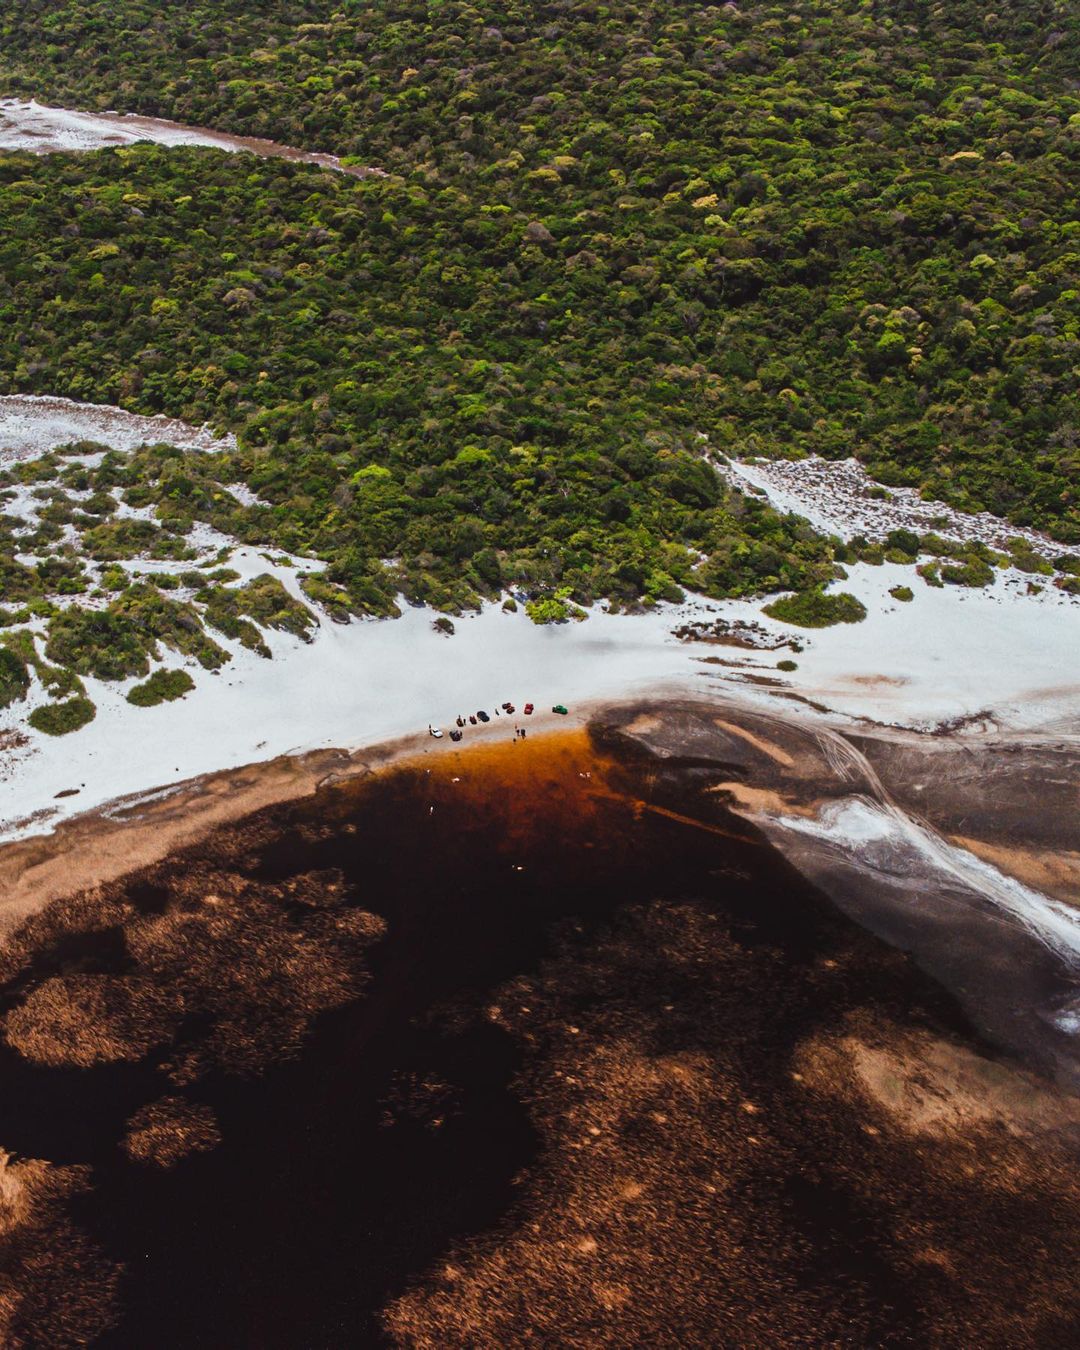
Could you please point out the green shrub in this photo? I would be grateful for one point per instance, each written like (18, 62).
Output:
(266, 602)
(98, 642)
(787, 665)
(118, 539)
(14, 677)
(162, 687)
(552, 610)
(59, 719)
(1025, 560)
(903, 541)
(115, 579)
(904, 593)
(816, 609)
(334, 599)
(971, 572)
(931, 574)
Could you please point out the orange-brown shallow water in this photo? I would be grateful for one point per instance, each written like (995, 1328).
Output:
(531, 1043)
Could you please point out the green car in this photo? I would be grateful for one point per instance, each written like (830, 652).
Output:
(561, 709)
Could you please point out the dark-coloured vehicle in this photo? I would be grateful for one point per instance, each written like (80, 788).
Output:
(528, 709)
(483, 716)
(561, 709)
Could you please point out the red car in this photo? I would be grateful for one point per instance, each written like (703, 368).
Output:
(528, 709)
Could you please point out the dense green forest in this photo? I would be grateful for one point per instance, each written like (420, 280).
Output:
(840, 227)
(613, 239)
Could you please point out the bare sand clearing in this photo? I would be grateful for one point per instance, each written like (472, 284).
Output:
(43, 130)
(834, 495)
(31, 425)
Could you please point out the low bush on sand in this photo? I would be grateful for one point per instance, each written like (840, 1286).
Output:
(815, 609)
(58, 719)
(14, 677)
(162, 687)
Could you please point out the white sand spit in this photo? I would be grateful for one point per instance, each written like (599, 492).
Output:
(1002, 655)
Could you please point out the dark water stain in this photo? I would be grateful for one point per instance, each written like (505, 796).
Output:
(345, 1173)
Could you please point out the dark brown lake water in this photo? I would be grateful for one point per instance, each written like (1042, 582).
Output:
(345, 1173)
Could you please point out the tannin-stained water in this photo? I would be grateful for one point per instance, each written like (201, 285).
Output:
(345, 1173)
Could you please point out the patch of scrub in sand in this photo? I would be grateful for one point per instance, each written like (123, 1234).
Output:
(115, 559)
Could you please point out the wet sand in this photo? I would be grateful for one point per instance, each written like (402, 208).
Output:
(531, 1041)
(870, 818)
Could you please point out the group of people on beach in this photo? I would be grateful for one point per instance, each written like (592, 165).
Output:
(458, 731)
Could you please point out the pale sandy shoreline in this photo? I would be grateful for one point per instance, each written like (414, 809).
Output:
(99, 846)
